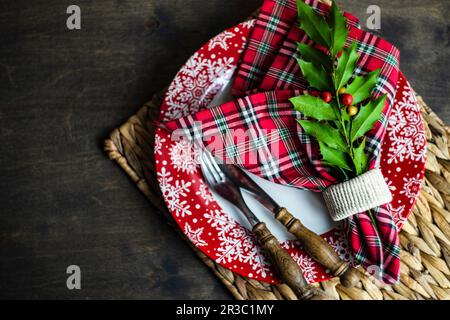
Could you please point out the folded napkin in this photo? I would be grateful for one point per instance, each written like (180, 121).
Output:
(259, 131)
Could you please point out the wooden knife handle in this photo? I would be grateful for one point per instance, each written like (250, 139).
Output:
(319, 249)
(286, 267)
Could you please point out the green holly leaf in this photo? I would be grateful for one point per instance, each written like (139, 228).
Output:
(334, 157)
(360, 158)
(366, 118)
(362, 86)
(314, 24)
(339, 32)
(315, 75)
(313, 107)
(346, 66)
(324, 133)
(315, 56)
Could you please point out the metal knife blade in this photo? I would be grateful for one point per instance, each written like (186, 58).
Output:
(241, 179)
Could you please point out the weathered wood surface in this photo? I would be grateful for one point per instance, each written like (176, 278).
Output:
(62, 92)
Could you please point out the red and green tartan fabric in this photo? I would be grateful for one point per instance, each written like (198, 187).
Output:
(259, 131)
(269, 61)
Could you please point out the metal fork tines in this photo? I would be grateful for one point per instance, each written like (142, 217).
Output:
(220, 183)
(211, 169)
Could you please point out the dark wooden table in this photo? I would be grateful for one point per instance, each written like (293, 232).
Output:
(62, 92)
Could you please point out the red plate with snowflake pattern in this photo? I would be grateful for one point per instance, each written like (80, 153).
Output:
(209, 224)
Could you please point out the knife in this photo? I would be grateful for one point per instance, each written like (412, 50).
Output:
(313, 244)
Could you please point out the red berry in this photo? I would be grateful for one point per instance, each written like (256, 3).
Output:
(326, 96)
(347, 99)
(339, 54)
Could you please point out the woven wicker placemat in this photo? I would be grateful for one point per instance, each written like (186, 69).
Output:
(425, 238)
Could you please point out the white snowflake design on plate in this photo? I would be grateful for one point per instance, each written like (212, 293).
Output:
(237, 244)
(204, 193)
(184, 156)
(221, 40)
(307, 265)
(174, 192)
(158, 144)
(411, 187)
(194, 235)
(390, 184)
(249, 24)
(339, 243)
(397, 214)
(405, 130)
(196, 84)
(291, 244)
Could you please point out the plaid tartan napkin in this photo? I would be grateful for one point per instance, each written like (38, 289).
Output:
(259, 131)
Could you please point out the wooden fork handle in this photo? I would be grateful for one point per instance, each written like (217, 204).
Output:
(286, 267)
(319, 249)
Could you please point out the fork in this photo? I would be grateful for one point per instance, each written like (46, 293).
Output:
(284, 264)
